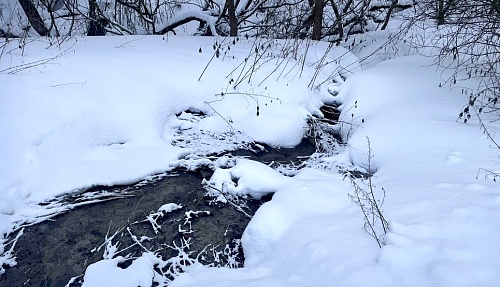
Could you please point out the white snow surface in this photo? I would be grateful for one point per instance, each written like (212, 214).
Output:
(103, 114)
(102, 111)
(236, 180)
(106, 272)
(443, 227)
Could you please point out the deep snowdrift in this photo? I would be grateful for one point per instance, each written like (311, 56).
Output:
(105, 113)
(102, 111)
(443, 227)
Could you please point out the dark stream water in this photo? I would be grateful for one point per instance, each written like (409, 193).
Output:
(52, 252)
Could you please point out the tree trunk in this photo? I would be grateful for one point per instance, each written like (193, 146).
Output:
(440, 12)
(34, 17)
(318, 19)
(495, 7)
(339, 20)
(96, 27)
(443, 9)
(233, 22)
(389, 13)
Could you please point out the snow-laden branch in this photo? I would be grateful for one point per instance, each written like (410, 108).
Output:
(188, 16)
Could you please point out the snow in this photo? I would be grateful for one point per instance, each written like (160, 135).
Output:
(169, 207)
(107, 272)
(105, 113)
(443, 230)
(102, 111)
(236, 180)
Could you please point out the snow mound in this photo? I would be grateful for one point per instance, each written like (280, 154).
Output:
(402, 127)
(247, 177)
(107, 272)
(103, 111)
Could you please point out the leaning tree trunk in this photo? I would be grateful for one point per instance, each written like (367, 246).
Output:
(34, 17)
(340, 20)
(389, 13)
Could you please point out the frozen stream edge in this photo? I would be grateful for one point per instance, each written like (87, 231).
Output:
(44, 247)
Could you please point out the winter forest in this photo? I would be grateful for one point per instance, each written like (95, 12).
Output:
(249, 143)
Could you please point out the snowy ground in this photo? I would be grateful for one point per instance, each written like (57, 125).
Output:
(104, 112)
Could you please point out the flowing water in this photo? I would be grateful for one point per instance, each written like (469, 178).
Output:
(52, 252)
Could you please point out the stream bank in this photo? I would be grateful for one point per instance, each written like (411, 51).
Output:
(53, 252)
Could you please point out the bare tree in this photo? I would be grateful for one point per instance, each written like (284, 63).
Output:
(34, 17)
(313, 19)
(318, 19)
(233, 22)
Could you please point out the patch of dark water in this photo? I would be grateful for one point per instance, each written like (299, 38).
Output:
(267, 154)
(52, 252)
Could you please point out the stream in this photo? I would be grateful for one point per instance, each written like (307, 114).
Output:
(57, 251)
(50, 253)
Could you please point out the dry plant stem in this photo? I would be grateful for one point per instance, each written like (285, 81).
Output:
(465, 41)
(369, 205)
(376, 204)
(232, 130)
(215, 54)
(362, 199)
(280, 62)
(489, 173)
(206, 67)
(250, 53)
(485, 130)
(491, 138)
(26, 66)
(235, 205)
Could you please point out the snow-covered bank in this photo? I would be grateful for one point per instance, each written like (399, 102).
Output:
(444, 228)
(103, 111)
(106, 113)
